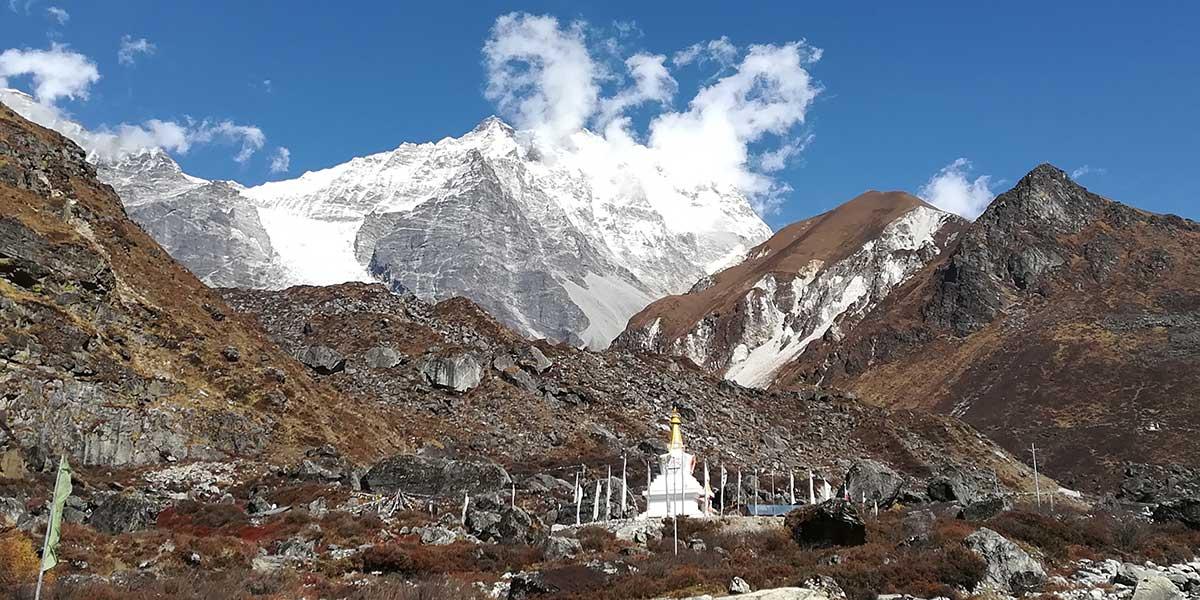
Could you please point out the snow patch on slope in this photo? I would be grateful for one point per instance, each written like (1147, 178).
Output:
(780, 326)
(314, 251)
(608, 303)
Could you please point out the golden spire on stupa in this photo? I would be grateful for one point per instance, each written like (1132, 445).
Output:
(676, 431)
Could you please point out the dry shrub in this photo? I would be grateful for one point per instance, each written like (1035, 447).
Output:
(440, 588)
(598, 539)
(200, 519)
(228, 585)
(346, 529)
(18, 560)
(410, 558)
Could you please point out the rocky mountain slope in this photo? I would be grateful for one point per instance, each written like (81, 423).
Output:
(209, 226)
(551, 244)
(470, 386)
(1059, 318)
(813, 279)
(113, 353)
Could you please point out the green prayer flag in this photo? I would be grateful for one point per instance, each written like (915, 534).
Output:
(62, 489)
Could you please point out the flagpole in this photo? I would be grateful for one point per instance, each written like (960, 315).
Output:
(37, 594)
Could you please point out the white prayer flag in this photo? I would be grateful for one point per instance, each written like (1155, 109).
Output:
(812, 496)
(596, 503)
(707, 490)
(624, 487)
(578, 499)
(791, 487)
(608, 496)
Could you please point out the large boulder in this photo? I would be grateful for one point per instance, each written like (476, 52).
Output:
(558, 547)
(831, 523)
(493, 520)
(429, 476)
(1156, 587)
(459, 372)
(324, 464)
(1183, 510)
(532, 358)
(874, 481)
(1009, 568)
(1159, 483)
(381, 357)
(322, 359)
(965, 486)
(529, 584)
(124, 513)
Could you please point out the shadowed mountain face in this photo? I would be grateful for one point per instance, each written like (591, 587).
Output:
(812, 279)
(1059, 318)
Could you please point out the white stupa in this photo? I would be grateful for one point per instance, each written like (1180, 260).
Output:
(675, 490)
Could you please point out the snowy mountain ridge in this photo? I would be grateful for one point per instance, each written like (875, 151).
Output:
(558, 242)
(811, 280)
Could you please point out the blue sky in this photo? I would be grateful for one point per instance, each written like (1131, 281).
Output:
(906, 88)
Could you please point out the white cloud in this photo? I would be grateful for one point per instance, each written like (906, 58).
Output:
(60, 73)
(1087, 170)
(131, 48)
(544, 78)
(950, 189)
(540, 74)
(56, 73)
(58, 14)
(651, 83)
(249, 137)
(720, 50)
(281, 160)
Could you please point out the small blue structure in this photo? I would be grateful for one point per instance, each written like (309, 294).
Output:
(770, 510)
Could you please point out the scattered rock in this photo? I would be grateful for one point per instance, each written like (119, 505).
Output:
(917, 525)
(437, 535)
(493, 520)
(231, 354)
(322, 359)
(1009, 568)
(831, 523)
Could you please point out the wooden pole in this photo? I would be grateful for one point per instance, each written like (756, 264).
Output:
(1037, 484)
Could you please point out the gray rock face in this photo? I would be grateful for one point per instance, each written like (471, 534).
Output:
(874, 481)
(381, 358)
(124, 513)
(460, 372)
(322, 359)
(1009, 568)
(440, 477)
(484, 242)
(210, 226)
(532, 358)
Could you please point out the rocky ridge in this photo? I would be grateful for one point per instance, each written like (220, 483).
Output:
(813, 279)
(1058, 318)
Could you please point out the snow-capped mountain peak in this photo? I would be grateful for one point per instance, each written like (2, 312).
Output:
(560, 241)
